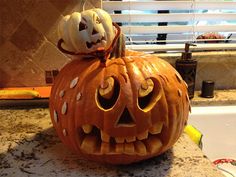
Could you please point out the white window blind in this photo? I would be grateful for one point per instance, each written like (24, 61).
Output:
(166, 25)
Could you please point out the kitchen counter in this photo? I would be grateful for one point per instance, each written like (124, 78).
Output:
(221, 97)
(30, 147)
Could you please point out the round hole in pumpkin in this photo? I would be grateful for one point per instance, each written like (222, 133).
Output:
(108, 93)
(148, 94)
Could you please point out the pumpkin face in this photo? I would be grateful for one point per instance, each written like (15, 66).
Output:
(86, 31)
(131, 109)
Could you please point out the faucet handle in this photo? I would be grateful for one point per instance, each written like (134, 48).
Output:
(187, 46)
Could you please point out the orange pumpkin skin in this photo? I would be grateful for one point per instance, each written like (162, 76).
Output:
(75, 101)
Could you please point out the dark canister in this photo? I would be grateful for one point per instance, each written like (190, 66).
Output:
(207, 89)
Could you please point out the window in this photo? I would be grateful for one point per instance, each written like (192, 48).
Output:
(166, 25)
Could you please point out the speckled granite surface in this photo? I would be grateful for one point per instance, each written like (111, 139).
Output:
(221, 97)
(30, 147)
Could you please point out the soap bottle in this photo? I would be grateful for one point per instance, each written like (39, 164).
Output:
(187, 67)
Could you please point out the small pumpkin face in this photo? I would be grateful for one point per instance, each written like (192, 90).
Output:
(86, 31)
(132, 109)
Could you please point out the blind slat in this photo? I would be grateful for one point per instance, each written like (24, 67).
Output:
(180, 40)
(167, 5)
(152, 37)
(178, 47)
(173, 17)
(177, 29)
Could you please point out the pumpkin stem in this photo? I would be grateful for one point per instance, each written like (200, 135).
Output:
(101, 54)
(116, 50)
(119, 48)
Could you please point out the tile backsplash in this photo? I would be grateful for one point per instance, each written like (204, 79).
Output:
(219, 66)
(28, 38)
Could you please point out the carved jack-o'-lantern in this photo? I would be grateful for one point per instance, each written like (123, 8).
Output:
(120, 109)
(86, 31)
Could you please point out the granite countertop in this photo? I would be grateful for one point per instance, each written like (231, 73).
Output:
(30, 147)
(221, 97)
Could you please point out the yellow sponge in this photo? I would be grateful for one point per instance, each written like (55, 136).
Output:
(194, 134)
(18, 94)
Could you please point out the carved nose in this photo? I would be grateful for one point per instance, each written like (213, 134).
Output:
(126, 119)
(94, 31)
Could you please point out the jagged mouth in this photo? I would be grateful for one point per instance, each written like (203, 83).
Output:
(91, 44)
(97, 142)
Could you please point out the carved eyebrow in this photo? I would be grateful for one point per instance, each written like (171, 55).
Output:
(84, 19)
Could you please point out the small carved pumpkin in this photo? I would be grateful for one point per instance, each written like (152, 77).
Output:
(119, 110)
(86, 31)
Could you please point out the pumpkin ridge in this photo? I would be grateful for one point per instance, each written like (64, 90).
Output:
(148, 73)
(163, 80)
(61, 117)
(72, 91)
(133, 86)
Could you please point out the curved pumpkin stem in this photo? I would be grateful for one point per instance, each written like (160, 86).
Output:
(83, 2)
(107, 89)
(146, 88)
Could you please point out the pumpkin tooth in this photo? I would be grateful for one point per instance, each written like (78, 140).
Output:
(143, 135)
(105, 148)
(129, 148)
(105, 137)
(87, 128)
(140, 148)
(130, 139)
(89, 144)
(120, 139)
(156, 128)
(153, 144)
(119, 148)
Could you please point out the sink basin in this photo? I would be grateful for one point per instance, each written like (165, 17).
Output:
(218, 126)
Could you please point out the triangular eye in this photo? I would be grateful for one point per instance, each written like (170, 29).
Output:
(82, 26)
